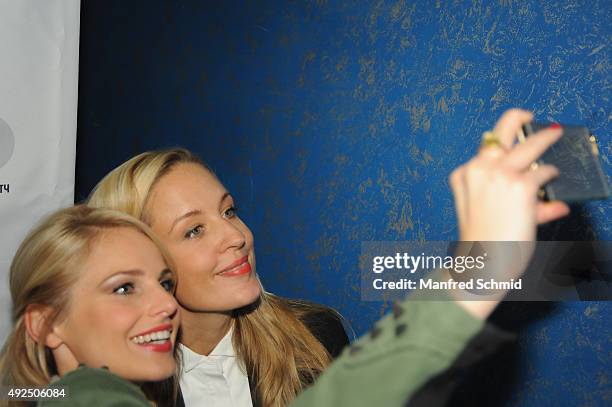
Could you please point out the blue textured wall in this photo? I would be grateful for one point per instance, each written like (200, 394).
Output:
(338, 122)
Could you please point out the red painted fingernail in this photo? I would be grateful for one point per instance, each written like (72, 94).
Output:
(554, 126)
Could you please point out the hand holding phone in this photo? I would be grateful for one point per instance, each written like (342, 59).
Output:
(581, 177)
(496, 191)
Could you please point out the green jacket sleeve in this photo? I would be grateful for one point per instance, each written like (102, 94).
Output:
(96, 387)
(418, 340)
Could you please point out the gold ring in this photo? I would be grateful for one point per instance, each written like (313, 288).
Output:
(490, 139)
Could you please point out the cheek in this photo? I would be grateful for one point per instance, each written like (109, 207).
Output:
(117, 316)
(195, 269)
(105, 325)
(195, 266)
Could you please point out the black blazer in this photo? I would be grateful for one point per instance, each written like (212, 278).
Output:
(325, 325)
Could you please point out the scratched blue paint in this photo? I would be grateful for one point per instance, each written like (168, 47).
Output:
(338, 122)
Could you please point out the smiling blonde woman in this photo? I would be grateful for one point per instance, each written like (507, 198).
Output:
(91, 286)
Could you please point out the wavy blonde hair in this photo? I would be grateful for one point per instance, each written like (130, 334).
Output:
(270, 338)
(43, 272)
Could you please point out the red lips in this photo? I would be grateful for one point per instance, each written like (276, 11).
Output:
(237, 268)
(158, 347)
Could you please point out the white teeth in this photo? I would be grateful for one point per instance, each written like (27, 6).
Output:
(155, 336)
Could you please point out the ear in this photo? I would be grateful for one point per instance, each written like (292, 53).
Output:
(36, 318)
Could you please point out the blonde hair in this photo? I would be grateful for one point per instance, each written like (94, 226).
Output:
(269, 337)
(43, 271)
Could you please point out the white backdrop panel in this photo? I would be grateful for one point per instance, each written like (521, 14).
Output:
(38, 104)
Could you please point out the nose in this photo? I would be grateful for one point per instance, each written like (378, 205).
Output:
(231, 236)
(163, 304)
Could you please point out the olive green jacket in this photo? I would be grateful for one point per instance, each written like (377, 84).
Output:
(385, 367)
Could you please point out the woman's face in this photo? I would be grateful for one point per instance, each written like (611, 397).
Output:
(194, 215)
(121, 312)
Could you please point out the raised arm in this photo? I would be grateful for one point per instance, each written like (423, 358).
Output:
(496, 200)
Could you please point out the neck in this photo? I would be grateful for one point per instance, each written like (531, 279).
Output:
(202, 331)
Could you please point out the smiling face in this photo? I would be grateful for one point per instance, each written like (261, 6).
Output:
(194, 216)
(121, 312)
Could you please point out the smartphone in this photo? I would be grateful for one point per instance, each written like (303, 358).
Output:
(581, 177)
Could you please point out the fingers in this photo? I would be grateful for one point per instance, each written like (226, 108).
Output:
(492, 153)
(549, 211)
(509, 124)
(521, 157)
(496, 192)
(542, 175)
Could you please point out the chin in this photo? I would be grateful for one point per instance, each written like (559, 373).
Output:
(246, 297)
(231, 298)
(252, 293)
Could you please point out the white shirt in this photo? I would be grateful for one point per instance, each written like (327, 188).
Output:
(216, 380)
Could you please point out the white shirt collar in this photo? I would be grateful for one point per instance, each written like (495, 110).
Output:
(216, 380)
(224, 349)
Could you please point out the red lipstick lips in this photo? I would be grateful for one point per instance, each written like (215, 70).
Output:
(163, 347)
(159, 347)
(237, 268)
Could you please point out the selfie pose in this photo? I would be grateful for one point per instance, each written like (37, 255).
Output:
(194, 216)
(418, 340)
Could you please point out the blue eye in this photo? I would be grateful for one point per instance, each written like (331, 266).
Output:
(124, 289)
(194, 232)
(231, 212)
(168, 285)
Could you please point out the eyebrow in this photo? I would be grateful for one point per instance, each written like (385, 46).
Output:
(224, 197)
(135, 272)
(184, 216)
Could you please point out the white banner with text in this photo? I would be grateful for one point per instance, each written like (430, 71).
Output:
(39, 47)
